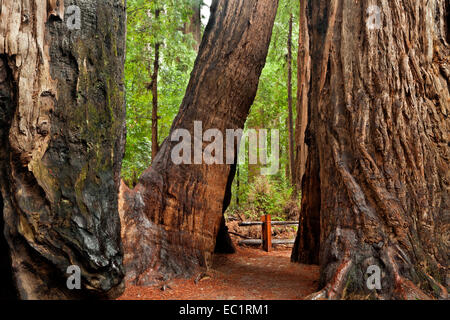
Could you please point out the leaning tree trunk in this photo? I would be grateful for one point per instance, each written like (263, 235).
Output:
(62, 137)
(379, 152)
(172, 217)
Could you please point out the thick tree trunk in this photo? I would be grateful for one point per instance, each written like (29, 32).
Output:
(303, 82)
(379, 152)
(62, 138)
(172, 217)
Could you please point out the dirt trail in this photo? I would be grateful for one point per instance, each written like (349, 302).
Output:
(248, 275)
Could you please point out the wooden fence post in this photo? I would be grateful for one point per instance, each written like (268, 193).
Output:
(267, 232)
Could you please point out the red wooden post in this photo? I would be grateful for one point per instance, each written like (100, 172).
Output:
(267, 232)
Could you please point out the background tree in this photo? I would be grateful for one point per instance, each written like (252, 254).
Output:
(303, 76)
(194, 25)
(154, 87)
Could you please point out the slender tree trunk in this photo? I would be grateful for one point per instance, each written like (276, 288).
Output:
(291, 116)
(194, 26)
(62, 137)
(303, 80)
(307, 242)
(379, 151)
(155, 145)
(238, 187)
(172, 218)
(286, 149)
(254, 168)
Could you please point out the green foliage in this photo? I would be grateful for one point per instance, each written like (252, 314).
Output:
(176, 60)
(267, 197)
(270, 110)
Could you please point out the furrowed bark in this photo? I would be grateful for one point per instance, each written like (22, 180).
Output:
(172, 217)
(307, 243)
(379, 153)
(62, 132)
(303, 83)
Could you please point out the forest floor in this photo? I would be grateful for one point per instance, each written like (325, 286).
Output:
(249, 274)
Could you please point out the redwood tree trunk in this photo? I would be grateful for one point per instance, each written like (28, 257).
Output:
(172, 217)
(303, 82)
(379, 152)
(62, 136)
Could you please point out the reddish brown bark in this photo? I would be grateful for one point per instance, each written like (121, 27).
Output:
(303, 82)
(378, 163)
